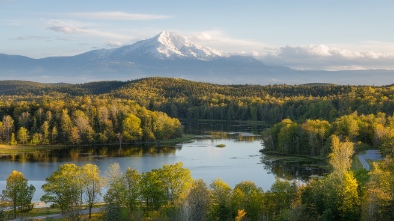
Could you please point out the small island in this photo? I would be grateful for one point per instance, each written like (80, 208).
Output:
(221, 145)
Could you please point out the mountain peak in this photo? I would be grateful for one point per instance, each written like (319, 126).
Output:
(166, 45)
(169, 44)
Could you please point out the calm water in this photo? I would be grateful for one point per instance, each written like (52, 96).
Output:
(238, 161)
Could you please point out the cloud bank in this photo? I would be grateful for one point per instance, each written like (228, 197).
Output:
(218, 40)
(323, 57)
(305, 57)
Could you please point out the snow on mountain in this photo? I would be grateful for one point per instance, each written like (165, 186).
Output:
(166, 45)
(173, 45)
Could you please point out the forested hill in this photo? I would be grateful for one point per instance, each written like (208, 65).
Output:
(37, 89)
(167, 87)
(196, 100)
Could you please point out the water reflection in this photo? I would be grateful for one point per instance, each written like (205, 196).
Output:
(235, 136)
(95, 152)
(294, 168)
(201, 127)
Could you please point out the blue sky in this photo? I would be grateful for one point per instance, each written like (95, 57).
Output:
(303, 34)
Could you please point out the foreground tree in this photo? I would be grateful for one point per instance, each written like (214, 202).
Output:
(280, 197)
(152, 190)
(3, 206)
(176, 181)
(198, 201)
(64, 188)
(131, 180)
(18, 193)
(221, 195)
(378, 201)
(336, 196)
(247, 197)
(93, 183)
(115, 194)
(123, 188)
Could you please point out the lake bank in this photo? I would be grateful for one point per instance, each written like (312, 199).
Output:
(21, 148)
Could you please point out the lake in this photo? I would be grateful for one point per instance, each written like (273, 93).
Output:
(238, 161)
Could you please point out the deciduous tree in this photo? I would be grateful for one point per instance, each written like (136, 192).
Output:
(64, 188)
(132, 127)
(23, 135)
(221, 195)
(19, 193)
(92, 184)
(198, 201)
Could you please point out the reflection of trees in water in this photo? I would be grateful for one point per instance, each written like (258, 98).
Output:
(292, 168)
(247, 138)
(201, 127)
(83, 153)
(237, 136)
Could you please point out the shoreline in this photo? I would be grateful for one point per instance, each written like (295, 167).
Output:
(26, 148)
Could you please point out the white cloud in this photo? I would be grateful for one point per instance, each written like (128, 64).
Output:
(356, 56)
(328, 58)
(218, 40)
(67, 29)
(114, 43)
(75, 27)
(116, 16)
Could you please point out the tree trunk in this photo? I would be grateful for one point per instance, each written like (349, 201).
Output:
(14, 208)
(90, 210)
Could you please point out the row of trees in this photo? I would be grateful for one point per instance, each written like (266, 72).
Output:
(312, 137)
(271, 103)
(170, 193)
(195, 100)
(81, 120)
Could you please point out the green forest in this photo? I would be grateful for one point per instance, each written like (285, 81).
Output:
(321, 121)
(81, 120)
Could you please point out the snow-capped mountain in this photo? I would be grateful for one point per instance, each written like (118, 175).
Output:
(171, 45)
(171, 55)
(166, 45)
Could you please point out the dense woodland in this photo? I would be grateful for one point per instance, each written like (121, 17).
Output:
(196, 100)
(98, 112)
(328, 122)
(313, 137)
(82, 120)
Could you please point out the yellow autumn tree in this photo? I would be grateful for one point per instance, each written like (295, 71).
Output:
(18, 193)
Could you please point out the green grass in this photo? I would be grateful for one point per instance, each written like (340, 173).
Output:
(49, 211)
(277, 155)
(186, 138)
(356, 163)
(39, 212)
(13, 149)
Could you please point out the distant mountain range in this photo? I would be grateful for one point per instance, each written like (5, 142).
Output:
(171, 55)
